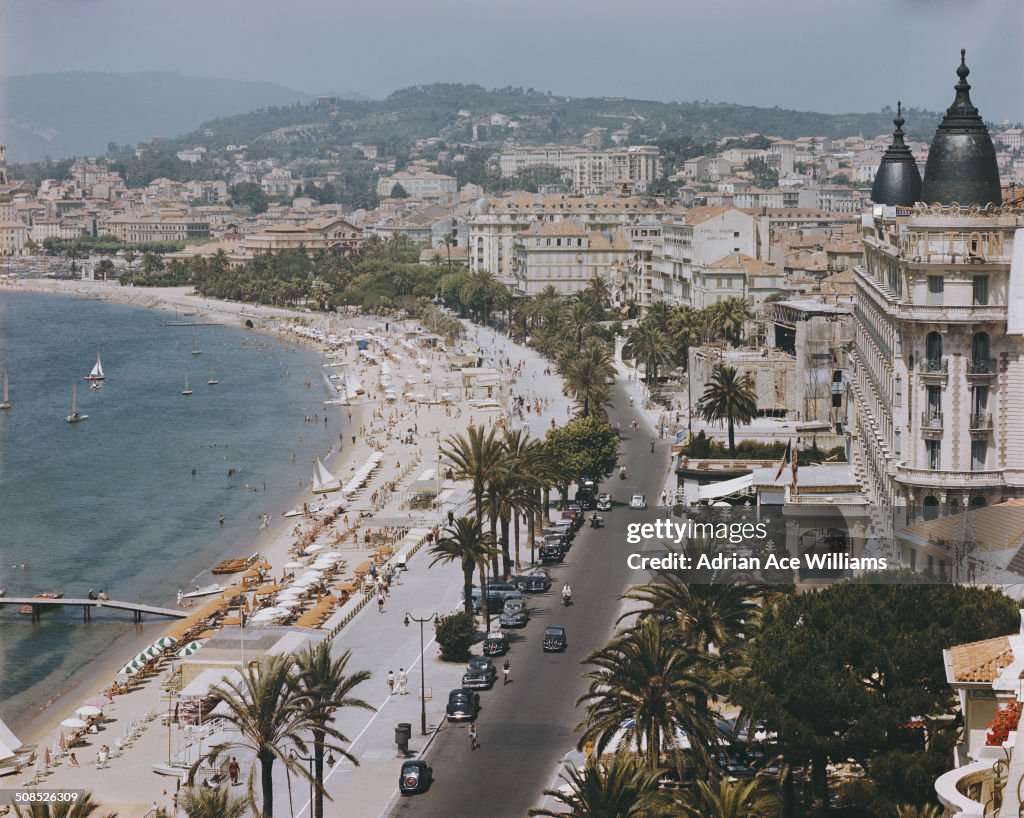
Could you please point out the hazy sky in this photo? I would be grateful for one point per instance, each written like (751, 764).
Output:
(824, 55)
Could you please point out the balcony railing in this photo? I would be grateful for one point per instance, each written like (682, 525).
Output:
(933, 366)
(940, 478)
(982, 366)
(981, 421)
(931, 420)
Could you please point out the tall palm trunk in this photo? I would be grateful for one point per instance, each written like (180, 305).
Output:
(506, 556)
(515, 532)
(467, 587)
(494, 538)
(318, 772)
(266, 759)
(531, 533)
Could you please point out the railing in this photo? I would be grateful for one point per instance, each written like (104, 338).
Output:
(982, 366)
(933, 366)
(981, 421)
(931, 420)
(938, 477)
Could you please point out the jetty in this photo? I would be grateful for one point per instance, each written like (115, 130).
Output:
(137, 608)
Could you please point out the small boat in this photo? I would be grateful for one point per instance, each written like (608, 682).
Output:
(5, 402)
(213, 381)
(27, 609)
(206, 590)
(75, 417)
(96, 374)
(195, 350)
(323, 480)
(186, 390)
(234, 565)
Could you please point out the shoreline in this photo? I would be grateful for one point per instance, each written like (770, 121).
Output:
(34, 727)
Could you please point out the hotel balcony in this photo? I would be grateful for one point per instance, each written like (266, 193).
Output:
(933, 368)
(931, 422)
(981, 422)
(968, 791)
(939, 478)
(979, 368)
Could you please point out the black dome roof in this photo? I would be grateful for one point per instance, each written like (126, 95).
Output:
(898, 181)
(961, 164)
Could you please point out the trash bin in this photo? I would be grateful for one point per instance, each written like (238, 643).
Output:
(403, 732)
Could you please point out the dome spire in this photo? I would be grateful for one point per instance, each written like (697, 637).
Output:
(898, 181)
(961, 164)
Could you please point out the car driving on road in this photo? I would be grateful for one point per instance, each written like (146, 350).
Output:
(416, 776)
(604, 502)
(480, 675)
(514, 614)
(554, 639)
(535, 582)
(496, 644)
(638, 501)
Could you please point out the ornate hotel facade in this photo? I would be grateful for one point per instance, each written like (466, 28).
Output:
(937, 365)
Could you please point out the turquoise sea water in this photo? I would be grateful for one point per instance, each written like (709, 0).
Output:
(111, 503)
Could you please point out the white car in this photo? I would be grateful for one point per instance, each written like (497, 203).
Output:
(638, 501)
(604, 502)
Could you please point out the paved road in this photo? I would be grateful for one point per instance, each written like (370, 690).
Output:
(527, 727)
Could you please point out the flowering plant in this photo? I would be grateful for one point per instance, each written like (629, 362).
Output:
(1003, 723)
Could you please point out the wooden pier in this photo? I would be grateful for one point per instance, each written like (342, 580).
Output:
(137, 608)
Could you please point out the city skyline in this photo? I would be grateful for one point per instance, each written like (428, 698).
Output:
(785, 56)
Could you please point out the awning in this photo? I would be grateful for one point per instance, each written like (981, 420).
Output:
(725, 488)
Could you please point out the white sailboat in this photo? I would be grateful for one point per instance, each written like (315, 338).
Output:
(5, 403)
(96, 373)
(75, 417)
(213, 381)
(353, 388)
(323, 480)
(195, 350)
(186, 390)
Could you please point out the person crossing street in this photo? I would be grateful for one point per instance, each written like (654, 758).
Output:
(506, 669)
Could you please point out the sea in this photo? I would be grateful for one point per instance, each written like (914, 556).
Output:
(131, 500)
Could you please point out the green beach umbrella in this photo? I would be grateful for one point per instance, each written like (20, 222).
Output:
(164, 642)
(130, 668)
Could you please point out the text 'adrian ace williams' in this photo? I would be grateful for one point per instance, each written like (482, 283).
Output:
(828, 562)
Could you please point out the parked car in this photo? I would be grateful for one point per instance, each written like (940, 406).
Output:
(604, 502)
(416, 776)
(480, 675)
(496, 644)
(554, 639)
(638, 501)
(585, 500)
(514, 614)
(565, 529)
(551, 552)
(463, 705)
(536, 581)
(501, 590)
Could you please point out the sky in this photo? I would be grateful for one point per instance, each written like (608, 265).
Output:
(820, 55)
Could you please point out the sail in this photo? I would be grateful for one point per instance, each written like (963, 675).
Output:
(323, 480)
(97, 370)
(353, 388)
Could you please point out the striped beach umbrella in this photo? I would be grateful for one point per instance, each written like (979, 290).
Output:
(190, 648)
(165, 642)
(131, 667)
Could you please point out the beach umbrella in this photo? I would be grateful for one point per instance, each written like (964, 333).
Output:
(99, 701)
(287, 604)
(63, 743)
(314, 548)
(74, 724)
(88, 711)
(130, 668)
(165, 642)
(293, 564)
(190, 648)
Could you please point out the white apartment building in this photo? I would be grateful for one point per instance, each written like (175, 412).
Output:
(566, 256)
(278, 182)
(136, 228)
(635, 167)
(1012, 138)
(421, 185)
(514, 161)
(13, 235)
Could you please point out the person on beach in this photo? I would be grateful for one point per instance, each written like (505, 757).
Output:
(391, 682)
(181, 596)
(73, 760)
(233, 770)
(403, 681)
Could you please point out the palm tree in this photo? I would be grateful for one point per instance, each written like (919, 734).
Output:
(449, 241)
(730, 397)
(683, 328)
(580, 323)
(732, 316)
(644, 689)
(598, 293)
(585, 375)
(657, 315)
(151, 263)
(202, 802)
(647, 345)
(729, 799)
(129, 258)
(527, 470)
(271, 713)
(323, 679)
(618, 786)
(466, 542)
(84, 807)
(476, 456)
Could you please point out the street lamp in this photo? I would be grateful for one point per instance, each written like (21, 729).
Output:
(423, 684)
(329, 761)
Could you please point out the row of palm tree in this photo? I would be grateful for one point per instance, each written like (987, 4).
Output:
(285, 703)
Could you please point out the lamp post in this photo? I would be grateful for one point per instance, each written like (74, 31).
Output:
(329, 761)
(423, 684)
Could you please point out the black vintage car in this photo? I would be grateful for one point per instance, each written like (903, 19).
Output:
(480, 675)
(551, 552)
(416, 776)
(496, 644)
(535, 582)
(554, 639)
(463, 705)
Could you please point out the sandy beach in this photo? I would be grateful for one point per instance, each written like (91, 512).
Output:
(403, 435)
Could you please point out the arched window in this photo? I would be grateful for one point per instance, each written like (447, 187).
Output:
(978, 502)
(931, 507)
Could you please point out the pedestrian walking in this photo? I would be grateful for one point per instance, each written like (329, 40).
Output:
(391, 682)
(233, 770)
(474, 744)
(506, 669)
(380, 603)
(403, 681)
